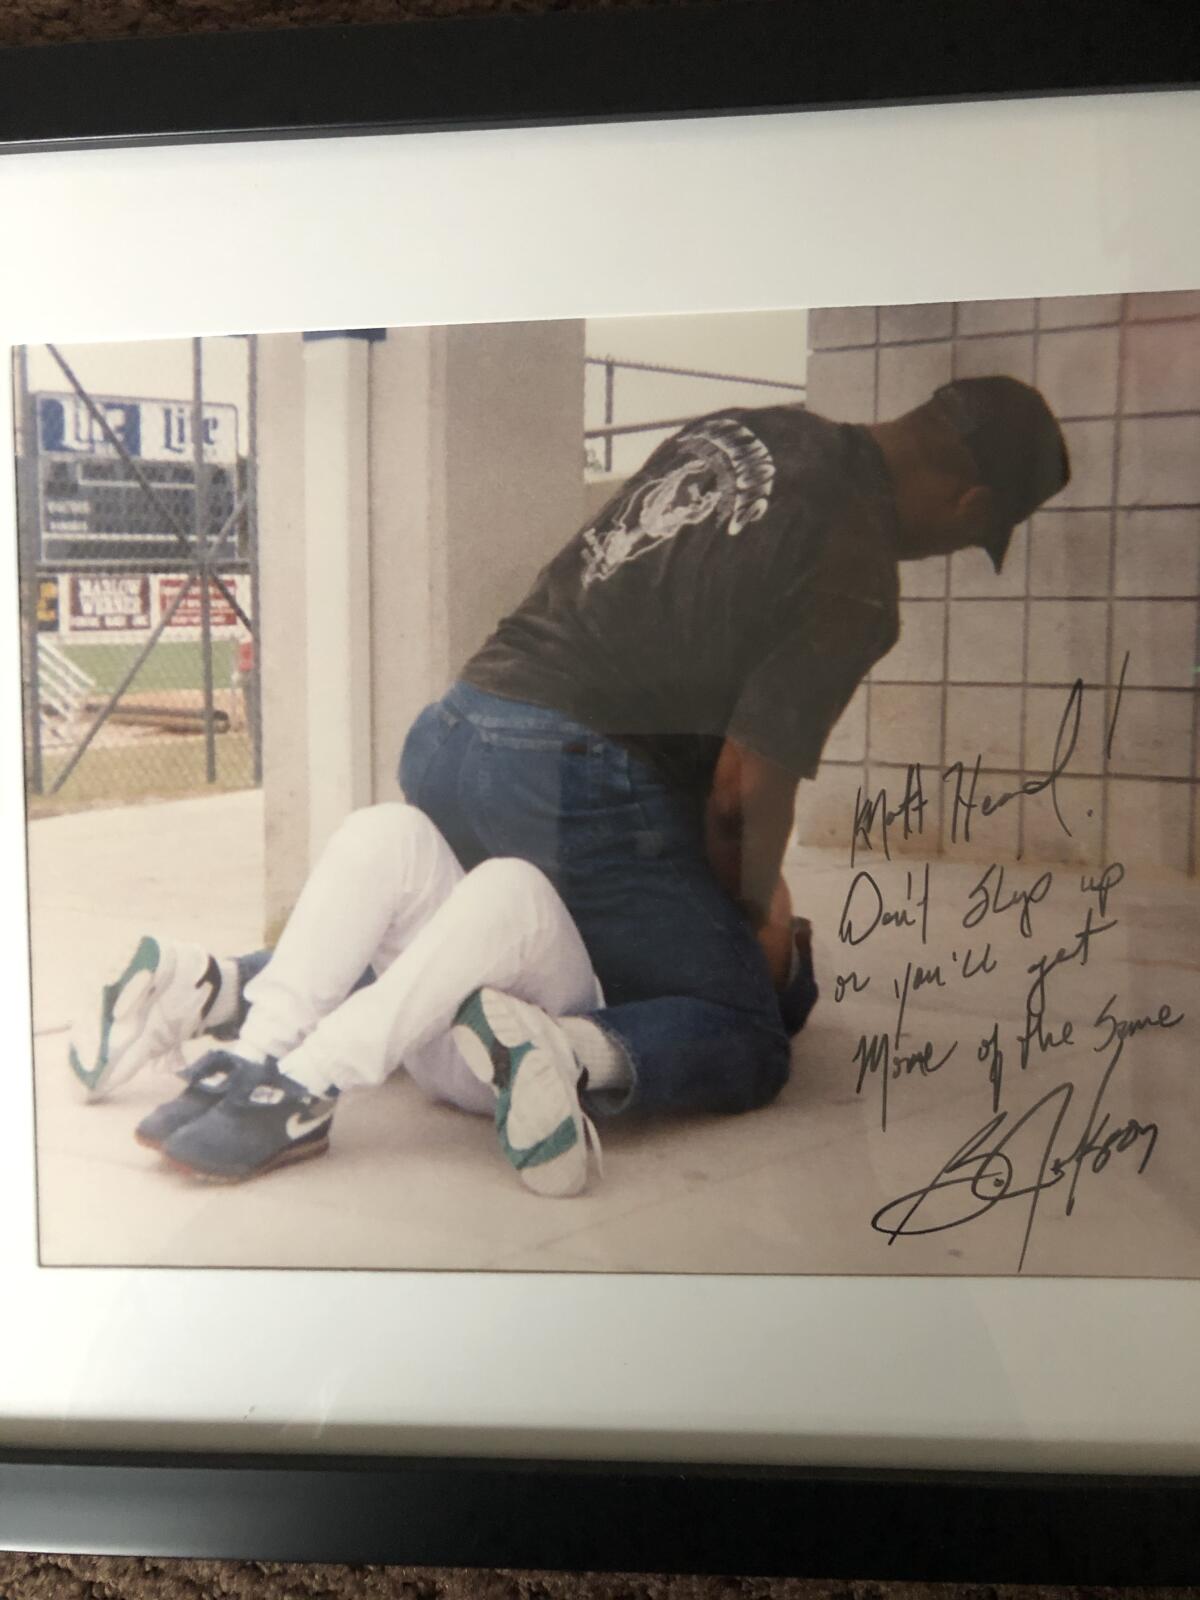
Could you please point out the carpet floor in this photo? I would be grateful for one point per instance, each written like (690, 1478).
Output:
(65, 21)
(39, 1577)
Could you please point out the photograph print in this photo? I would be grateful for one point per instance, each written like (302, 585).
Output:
(697, 794)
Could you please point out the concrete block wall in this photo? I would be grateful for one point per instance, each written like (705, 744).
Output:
(985, 662)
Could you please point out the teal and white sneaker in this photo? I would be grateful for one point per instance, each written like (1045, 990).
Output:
(158, 1002)
(526, 1059)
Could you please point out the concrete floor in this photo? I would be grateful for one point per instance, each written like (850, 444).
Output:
(791, 1189)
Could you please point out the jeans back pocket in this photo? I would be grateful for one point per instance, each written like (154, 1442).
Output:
(423, 743)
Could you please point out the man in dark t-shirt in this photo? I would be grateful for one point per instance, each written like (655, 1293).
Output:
(731, 569)
(638, 726)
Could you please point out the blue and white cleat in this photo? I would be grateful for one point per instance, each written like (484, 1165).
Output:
(159, 1001)
(206, 1082)
(261, 1121)
(526, 1059)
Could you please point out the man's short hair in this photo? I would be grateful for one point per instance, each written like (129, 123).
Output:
(1017, 446)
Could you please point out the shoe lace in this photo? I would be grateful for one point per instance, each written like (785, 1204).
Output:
(248, 1076)
(591, 1137)
(592, 1141)
(212, 1061)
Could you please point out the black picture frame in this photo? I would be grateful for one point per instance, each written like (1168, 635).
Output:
(743, 56)
(607, 1517)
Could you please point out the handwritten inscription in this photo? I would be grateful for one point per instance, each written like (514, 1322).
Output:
(989, 898)
(865, 910)
(1045, 931)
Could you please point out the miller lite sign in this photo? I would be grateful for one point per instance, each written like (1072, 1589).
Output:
(149, 430)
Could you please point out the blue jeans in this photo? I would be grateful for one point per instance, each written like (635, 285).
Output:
(689, 994)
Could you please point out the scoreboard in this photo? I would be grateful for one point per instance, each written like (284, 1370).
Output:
(93, 512)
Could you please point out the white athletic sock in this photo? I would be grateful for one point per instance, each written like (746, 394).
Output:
(598, 1053)
(229, 994)
(306, 1066)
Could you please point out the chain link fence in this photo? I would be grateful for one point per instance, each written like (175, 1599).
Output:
(136, 471)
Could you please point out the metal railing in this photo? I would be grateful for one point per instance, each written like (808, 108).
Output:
(65, 692)
(611, 429)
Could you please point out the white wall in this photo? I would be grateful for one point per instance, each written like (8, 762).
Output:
(756, 344)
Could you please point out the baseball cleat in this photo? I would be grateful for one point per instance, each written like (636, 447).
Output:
(263, 1120)
(526, 1059)
(157, 1003)
(207, 1080)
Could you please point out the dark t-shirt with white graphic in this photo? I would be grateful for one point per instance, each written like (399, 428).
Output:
(740, 585)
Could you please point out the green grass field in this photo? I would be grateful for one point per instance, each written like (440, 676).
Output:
(172, 664)
(164, 768)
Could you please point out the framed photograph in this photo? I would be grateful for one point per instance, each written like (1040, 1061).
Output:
(601, 912)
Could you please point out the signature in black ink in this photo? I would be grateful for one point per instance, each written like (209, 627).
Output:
(996, 1166)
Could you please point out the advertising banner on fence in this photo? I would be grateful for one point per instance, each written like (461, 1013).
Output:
(101, 603)
(47, 605)
(187, 614)
(92, 603)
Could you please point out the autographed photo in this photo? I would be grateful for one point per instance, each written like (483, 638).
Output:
(694, 794)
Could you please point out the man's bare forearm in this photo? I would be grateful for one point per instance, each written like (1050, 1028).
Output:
(748, 821)
(766, 824)
(723, 846)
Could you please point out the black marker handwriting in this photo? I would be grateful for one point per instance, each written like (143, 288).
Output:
(988, 898)
(867, 811)
(1102, 886)
(918, 977)
(1116, 710)
(964, 801)
(991, 1054)
(848, 981)
(1122, 1028)
(986, 962)
(864, 900)
(1036, 1031)
(877, 1055)
(988, 1171)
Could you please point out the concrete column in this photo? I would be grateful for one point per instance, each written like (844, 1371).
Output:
(337, 582)
(410, 642)
(410, 489)
(476, 481)
(281, 644)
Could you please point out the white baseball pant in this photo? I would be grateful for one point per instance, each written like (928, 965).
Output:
(388, 893)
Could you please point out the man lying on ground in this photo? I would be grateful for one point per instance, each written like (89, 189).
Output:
(393, 956)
